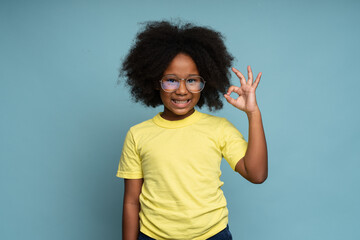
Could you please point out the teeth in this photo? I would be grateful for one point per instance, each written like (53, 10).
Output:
(177, 101)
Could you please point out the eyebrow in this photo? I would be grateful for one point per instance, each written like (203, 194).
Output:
(172, 74)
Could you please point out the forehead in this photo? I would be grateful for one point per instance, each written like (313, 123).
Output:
(182, 65)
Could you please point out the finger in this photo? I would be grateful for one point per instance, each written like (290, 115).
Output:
(229, 99)
(240, 75)
(250, 75)
(232, 89)
(257, 80)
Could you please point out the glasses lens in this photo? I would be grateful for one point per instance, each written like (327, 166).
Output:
(170, 83)
(195, 84)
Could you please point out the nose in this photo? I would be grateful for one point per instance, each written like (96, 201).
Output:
(182, 90)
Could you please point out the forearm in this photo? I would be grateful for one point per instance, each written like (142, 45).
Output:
(130, 221)
(255, 159)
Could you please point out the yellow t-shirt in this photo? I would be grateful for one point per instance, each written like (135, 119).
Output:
(180, 161)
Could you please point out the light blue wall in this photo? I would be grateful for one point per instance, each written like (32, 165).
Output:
(63, 118)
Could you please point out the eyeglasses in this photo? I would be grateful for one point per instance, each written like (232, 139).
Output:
(194, 84)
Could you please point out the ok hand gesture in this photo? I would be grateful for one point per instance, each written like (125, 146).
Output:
(246, 101)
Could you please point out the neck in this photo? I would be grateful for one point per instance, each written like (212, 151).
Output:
(168, 115)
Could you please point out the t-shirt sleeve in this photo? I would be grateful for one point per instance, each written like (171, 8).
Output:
(130, 162)
(232, 143)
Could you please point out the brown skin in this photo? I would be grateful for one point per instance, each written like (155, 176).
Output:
(131, 209)
(182, 66)
(253, 166)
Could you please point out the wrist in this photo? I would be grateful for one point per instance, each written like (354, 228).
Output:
(255, 112)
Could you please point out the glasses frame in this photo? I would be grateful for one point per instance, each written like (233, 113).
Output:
(182, 79)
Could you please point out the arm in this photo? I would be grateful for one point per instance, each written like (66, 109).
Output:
(254, 165)
(131, 208)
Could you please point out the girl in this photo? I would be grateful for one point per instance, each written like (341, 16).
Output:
(171, 163)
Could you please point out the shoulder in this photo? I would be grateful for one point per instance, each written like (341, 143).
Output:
(218, 126)
(141, 127)
(214, 120)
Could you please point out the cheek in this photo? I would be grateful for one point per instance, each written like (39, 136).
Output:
(165, 97)
(197, 96)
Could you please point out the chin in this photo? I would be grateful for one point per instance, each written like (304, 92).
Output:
(177, 114)
(182, 112)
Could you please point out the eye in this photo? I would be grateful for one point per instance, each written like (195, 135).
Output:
(194, 80)
(171, 80)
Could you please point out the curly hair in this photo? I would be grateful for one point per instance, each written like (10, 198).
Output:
(155, 47)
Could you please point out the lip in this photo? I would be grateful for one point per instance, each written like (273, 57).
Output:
(182, 104)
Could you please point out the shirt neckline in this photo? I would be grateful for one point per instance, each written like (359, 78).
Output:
(162, 122)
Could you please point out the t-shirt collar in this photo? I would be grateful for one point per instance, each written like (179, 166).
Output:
(160, 121)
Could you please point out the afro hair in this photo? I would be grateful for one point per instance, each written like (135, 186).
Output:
(155, 47)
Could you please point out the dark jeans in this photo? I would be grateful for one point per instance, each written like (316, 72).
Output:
(223, 235)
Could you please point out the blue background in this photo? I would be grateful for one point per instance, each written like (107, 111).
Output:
(64, 118)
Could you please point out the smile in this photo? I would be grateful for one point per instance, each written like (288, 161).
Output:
(180, 103)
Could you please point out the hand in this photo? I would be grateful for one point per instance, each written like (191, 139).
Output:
(247, 99)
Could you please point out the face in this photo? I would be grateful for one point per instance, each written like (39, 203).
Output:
(180, 104)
